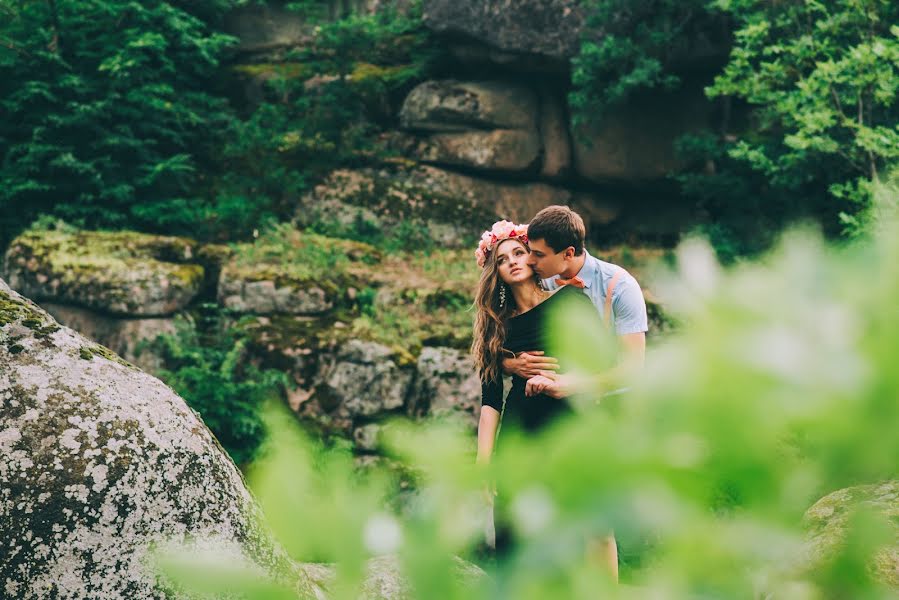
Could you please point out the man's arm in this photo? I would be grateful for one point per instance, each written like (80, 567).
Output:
(530, 364)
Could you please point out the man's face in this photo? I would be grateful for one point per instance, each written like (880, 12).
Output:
(544, 260)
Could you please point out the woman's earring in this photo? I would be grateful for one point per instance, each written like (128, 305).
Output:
(502, 295)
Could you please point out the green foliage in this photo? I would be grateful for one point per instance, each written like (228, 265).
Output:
(629, 46)
(207, 364)
(822, 81)
(303, 256)
(108, 120)
(779, 389)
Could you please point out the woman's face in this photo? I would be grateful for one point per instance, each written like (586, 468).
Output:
(512, 262)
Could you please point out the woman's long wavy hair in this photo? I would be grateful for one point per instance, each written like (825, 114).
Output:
(490, 319)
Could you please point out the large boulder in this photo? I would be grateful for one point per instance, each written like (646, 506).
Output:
(101, 463)
(828, 523)
(547, 28)
(120, 273)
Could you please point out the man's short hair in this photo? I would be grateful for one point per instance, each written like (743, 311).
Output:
(559, 227)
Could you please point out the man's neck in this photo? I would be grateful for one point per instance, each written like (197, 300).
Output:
(577, 264)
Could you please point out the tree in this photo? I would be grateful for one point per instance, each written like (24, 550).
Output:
(822, 83)
(107, 117)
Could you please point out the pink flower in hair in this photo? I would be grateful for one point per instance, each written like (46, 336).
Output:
(501, 230)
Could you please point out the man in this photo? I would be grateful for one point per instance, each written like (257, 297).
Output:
(556, 238)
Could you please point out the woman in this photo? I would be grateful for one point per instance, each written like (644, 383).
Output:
(512, 316)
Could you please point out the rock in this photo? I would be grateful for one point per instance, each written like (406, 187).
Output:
(450, 105)
(362, 380)
(367, 437)
(554, 136)
(446, 384)
(828, 521)
(120, 273)
(452, 208)
(497, 150)
(238, 291)
(549, 28)
(99, 464)
(635, 143)
(490, 125)
(291, 272)
(122, 336)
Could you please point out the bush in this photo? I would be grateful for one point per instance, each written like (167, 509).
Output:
(207, 364)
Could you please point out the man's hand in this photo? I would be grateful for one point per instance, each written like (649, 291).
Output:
(530, 364)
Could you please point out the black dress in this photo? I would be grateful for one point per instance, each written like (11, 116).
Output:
(529, 331)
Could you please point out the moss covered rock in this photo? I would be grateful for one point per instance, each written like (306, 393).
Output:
(99, 464)
(290, 272)
(122, 273)
(829, 522)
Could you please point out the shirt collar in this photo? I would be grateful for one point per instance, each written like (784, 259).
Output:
(588, 271)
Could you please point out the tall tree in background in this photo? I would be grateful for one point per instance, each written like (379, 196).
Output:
(822, 82)
(106, 113)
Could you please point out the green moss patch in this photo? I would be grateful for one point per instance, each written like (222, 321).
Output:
(289, 257)
(13, 311)
(89, 352)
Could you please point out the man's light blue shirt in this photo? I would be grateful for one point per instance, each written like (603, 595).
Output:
(628, 305)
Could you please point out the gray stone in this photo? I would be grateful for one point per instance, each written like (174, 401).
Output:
(450, 105)
(550, 28)
(367, 437)
(362, 380)
(240, 291)
(99, 464)
(496, 150)
(447, 384)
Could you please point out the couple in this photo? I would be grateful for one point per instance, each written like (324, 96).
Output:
(526, 270)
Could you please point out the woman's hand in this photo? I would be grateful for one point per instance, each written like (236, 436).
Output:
(549, 383)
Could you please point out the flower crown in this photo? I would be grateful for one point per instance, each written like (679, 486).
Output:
(501, 230)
